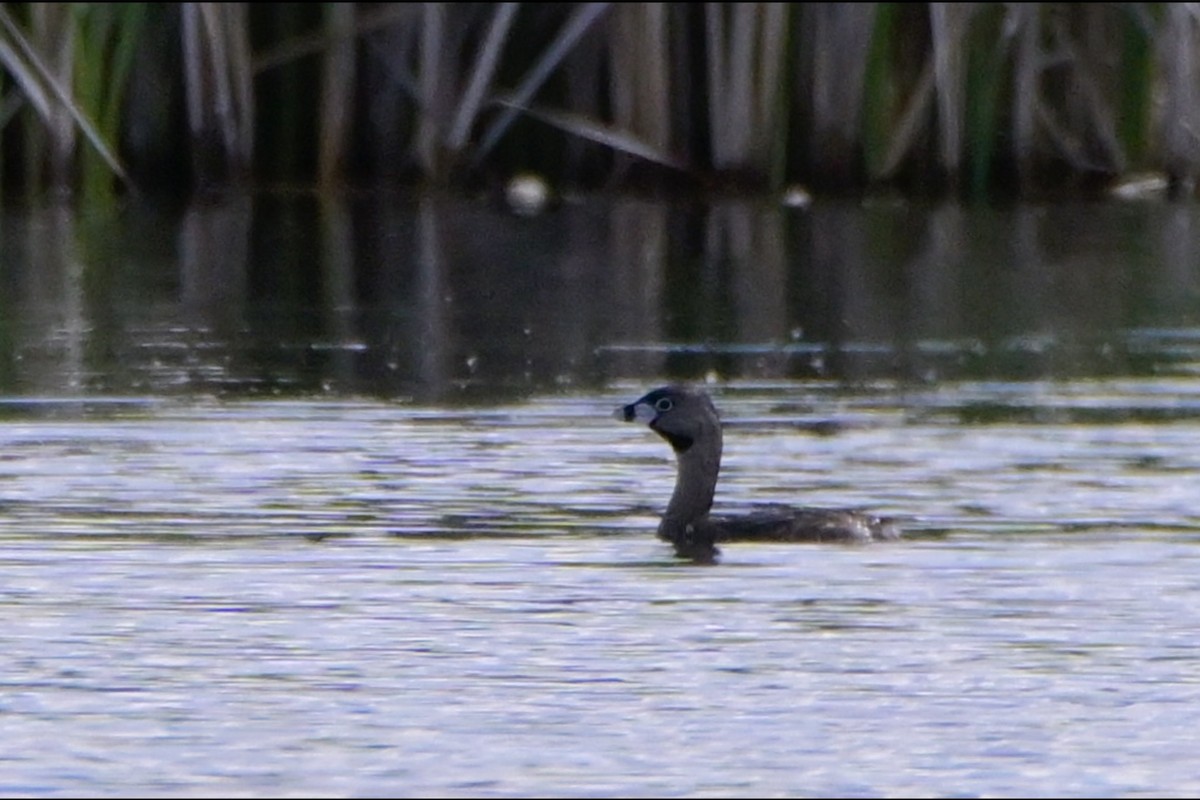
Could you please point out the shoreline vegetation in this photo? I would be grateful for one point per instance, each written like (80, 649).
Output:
(974, 101)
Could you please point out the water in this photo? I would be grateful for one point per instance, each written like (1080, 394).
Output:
(280, 549)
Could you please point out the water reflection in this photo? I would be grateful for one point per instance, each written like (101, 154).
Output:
(44, 279)
(334, 595)
(444, 297)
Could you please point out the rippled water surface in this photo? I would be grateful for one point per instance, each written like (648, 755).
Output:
(359, 597)
(325, 498)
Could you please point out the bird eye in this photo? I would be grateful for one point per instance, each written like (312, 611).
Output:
(663, 404)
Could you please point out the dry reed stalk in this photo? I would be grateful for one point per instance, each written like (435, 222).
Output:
(218, 82)
(1022, 22)
(48, 93)
(838, 36)
(433, 82)
(745, 49)
(580, 20)
(948, 24)
(367, 20)
(1089, 106)
(638, 51)
(640, 85)
(769, 119)
(1178, 41)
(482, 74)
(53, 32)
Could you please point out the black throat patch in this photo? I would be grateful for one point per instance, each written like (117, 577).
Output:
(678, 442)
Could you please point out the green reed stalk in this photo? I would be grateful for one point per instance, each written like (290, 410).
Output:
(1136, 90)
(987, 81)
(106, 42)
(43, 68)
(880, 88)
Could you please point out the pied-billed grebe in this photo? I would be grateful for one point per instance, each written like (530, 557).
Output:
(687, 419)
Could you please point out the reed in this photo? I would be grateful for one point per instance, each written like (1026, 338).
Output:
(986, 82)
(968, 99)
(1135, 92)
(106, 40)
(41, 62)
(218, 91)
(638, 39)
(1178, 42)
(46, 69)
(744, 52)
(337, 92)
(879, 84)
(837, 47)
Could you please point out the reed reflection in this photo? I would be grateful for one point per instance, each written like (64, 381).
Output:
(48, 312)
(446, 297)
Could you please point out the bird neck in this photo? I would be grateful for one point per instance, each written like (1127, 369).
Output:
(695, 481)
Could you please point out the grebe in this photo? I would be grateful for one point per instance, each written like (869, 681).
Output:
(686, 418)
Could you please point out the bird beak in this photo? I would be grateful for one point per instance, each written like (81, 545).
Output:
(635, 412)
